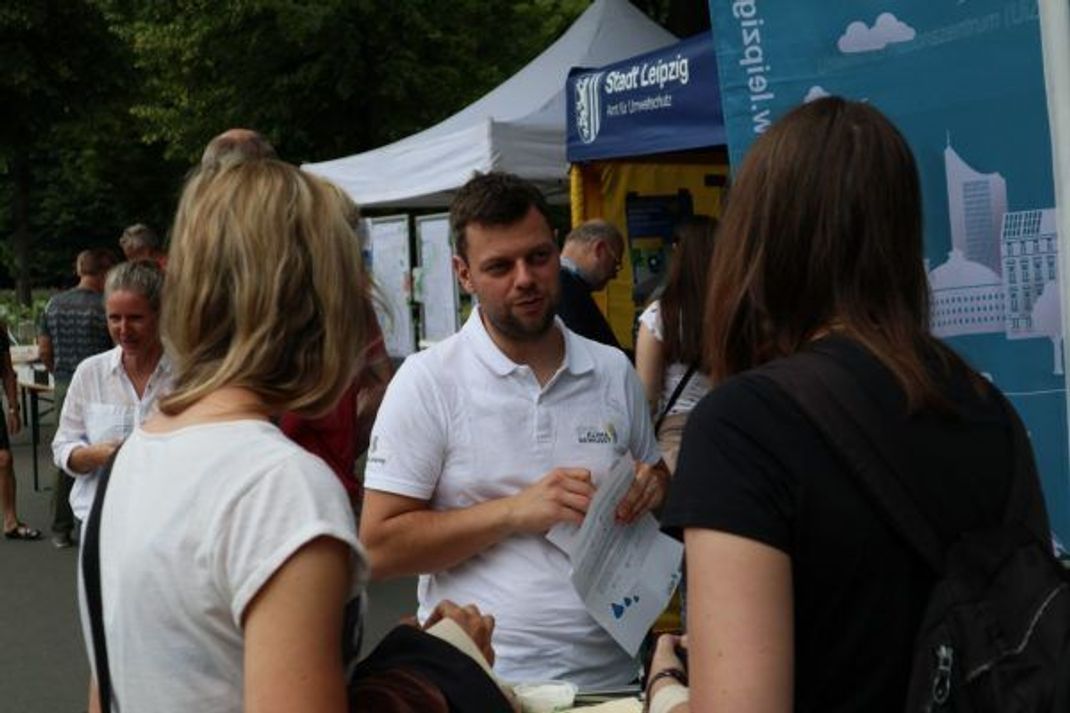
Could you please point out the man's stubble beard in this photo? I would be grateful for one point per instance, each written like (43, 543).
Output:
(512, 328)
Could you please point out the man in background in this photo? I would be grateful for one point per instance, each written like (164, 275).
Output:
(590, 258)
(235, 146)
(140, 242)
(74, 326)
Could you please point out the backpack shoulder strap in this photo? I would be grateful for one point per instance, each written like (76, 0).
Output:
(833, 400)
(1025, 502)
(91, 581)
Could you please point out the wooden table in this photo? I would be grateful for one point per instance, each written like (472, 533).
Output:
(32, 394)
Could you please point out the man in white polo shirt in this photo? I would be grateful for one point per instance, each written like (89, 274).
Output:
(490, 437)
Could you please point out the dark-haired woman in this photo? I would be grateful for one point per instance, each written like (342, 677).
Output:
(800, 596)
(668, 348)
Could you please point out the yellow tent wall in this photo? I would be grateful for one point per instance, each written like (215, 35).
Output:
(600, 189)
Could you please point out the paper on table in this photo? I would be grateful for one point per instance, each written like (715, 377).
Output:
(625, 574)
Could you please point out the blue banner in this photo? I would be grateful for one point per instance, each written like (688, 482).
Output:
(666, 100)
(963, 80)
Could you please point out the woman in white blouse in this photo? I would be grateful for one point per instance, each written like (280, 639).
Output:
(113, 392)
(669, 344)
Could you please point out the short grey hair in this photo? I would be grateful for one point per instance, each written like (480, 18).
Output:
(588, 232)
(143, 277)
(139, 234)
(235, 146)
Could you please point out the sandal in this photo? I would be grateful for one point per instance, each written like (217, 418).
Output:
(22, 531)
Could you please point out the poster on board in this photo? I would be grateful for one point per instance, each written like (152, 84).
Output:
(391, 263)
(436, 287)
(964, 83)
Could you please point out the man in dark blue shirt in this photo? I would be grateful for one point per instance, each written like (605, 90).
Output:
(590, 258)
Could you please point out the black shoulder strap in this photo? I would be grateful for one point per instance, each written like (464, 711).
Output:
(91, 582)
(837, 405)
(675, 395)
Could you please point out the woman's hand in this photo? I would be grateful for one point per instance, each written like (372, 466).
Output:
(478, 626)
(665, 653)
(14, 421)
(86, 459)
(664, 659)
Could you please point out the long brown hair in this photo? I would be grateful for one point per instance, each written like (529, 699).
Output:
(823, 231)
(683, 302)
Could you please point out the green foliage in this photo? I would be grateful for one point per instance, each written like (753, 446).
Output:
(21, 319)
(322, 79)
(71, 162)
(50, 63)
(106, 103)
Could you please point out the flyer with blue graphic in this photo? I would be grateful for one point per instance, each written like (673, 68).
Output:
(964, 82)
(624, 574)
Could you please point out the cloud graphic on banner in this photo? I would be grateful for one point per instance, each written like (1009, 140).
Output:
(816, 92)
(888, 29)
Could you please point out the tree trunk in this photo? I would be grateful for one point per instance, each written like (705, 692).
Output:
(20, 241)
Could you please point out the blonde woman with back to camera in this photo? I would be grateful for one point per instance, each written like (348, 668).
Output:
(227, 553)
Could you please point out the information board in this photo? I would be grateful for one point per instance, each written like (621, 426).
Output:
(436, 285)
(391, 262)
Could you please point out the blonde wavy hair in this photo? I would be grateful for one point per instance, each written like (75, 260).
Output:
(264, 289)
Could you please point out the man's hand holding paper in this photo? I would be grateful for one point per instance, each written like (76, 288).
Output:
(647, 491)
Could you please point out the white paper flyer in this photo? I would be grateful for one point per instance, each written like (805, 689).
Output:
(625, 574)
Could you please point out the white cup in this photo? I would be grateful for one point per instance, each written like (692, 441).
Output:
(545, 696)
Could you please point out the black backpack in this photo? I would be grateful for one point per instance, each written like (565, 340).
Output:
(995, 637)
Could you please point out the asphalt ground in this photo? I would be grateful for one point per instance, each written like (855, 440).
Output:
(43, 664)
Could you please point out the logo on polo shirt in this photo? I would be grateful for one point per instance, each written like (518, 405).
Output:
(376, 454)
(605, 435)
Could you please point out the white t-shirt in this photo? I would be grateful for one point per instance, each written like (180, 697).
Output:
(102, 405)
(697, 386)
(195, 522)
(462, 424)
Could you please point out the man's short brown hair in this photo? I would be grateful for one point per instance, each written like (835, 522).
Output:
(494, 198)
(93, 263)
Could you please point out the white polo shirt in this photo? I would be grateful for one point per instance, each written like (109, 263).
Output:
(462, 424)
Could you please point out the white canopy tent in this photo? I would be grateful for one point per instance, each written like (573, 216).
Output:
(518, 127)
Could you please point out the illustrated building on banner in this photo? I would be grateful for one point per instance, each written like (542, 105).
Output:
(976, 203)
(1002, 272)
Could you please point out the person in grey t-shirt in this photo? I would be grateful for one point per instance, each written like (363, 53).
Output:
(73, 327)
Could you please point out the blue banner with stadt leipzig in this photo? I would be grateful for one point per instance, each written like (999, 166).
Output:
(651, 103)
(964, 82)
